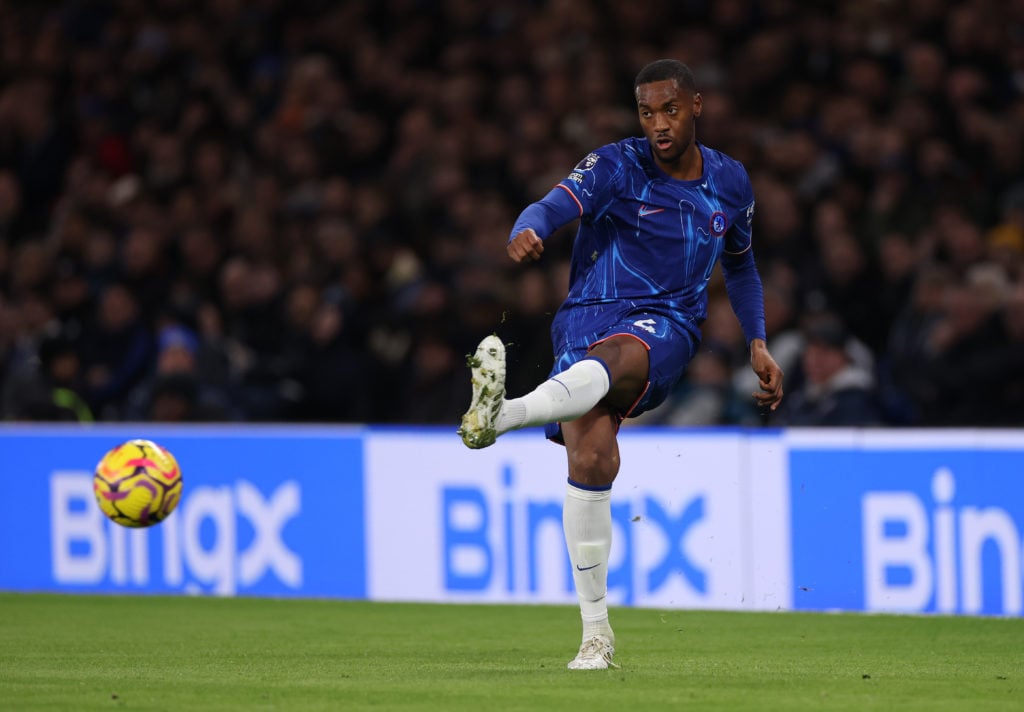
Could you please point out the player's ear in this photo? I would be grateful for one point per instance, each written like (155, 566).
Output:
(698, 104)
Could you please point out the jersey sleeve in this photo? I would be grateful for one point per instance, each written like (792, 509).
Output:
(551, 212)
(742, 281)
(594, 182)
(587, 192)
(738, 238)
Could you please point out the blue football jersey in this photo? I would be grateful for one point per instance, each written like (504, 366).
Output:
(651, 239)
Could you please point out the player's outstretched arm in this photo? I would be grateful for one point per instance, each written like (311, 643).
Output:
(768, 373)
(525, 246)
(539, 220)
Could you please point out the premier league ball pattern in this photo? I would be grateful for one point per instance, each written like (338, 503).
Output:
(137, 484)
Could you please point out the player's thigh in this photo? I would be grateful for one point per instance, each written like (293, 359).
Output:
(626, 357)
(592, 448)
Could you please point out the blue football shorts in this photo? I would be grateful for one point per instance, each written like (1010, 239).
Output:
(671, 343)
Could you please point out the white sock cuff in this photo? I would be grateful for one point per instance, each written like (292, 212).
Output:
(590, 369)
(565, 396)
(587, 494)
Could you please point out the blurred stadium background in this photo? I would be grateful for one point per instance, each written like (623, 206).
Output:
(296, 211)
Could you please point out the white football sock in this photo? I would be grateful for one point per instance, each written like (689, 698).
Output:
(564, 397)
(587, 523)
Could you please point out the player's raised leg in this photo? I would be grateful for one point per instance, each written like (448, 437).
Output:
(563, 397)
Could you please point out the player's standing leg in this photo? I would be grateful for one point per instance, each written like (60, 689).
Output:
(586, 399)
(587, 522)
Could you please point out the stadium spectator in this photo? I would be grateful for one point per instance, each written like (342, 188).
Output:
(187, 383)
(50, 387)
(330, 371)
(116, 352)
(835, 384)
(963, 384)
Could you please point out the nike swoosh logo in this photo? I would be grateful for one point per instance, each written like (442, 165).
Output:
(644, 210)
(586, 568)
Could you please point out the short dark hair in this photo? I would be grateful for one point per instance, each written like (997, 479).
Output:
(663, 69)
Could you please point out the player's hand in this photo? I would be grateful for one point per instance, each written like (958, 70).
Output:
(768, 373)
(525, 246)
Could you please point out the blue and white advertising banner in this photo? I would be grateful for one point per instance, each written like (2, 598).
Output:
(265, 511)
(827, 519)
(692, 527)
(921, 522)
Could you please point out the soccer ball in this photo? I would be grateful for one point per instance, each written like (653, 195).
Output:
(137, 484)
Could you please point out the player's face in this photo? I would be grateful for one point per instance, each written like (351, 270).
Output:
(666, 113)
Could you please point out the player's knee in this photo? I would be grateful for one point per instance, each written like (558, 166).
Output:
(593, 467)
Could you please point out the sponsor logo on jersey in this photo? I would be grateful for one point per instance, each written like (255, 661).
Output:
(648, 210)
(576, 177)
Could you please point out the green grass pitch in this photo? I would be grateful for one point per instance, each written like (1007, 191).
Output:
(77, 652)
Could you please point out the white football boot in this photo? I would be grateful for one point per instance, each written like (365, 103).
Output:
(487, 366)
(595, 654)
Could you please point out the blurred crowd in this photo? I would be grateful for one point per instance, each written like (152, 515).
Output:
(276, 210)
